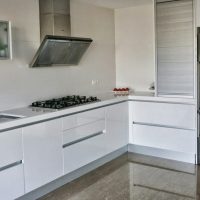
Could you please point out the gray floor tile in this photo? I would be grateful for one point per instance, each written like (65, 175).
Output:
(134, 177)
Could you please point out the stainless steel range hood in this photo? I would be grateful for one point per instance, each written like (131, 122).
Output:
(58, 48)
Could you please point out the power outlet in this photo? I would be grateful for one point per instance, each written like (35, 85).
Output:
(95, 82)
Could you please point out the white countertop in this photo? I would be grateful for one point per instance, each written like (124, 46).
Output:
(34, 115)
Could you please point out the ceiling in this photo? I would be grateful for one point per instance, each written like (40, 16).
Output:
(115, 4)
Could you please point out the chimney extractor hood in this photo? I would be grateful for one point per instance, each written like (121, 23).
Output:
(58, 48)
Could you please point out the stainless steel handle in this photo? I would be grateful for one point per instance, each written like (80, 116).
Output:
(83, 138)
(160, 125)
(11, 165)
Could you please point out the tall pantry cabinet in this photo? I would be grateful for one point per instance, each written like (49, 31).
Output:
(175, 48)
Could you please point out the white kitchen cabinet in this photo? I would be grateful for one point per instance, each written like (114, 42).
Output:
(116, 126)
(43, 159)
(165, 126)
(11, 167)
(10, 147)
(165, 138)
(167, 114)
(12, 183)
(81, 132)
(83, 138)
(104, 130)
(82, 118)
(84, 152)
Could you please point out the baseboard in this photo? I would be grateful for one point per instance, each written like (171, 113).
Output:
(72, 176)
(162, 153)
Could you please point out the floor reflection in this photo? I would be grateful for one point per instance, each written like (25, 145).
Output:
(134, 177)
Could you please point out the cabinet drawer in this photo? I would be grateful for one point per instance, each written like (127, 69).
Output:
(174, 115)
(83, 118)
(10, 147)
(81, 132)
(12, 183)
(165, 138)
(84, 152)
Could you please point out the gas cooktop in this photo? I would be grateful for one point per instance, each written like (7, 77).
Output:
(65, 102)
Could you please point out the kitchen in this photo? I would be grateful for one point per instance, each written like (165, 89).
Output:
(43, 148)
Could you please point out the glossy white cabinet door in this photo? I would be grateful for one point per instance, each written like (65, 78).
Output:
(116, 126)
(85, 131)
(83, 153)
(12, 183)
(43, 160)
(167, 114)
(84, 138)
(83, 118)
(10, 147)
(11, 178)
(165, 138)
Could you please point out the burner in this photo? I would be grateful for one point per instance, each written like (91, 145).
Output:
(64, 102)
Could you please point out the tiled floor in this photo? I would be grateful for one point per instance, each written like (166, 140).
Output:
(134, 177)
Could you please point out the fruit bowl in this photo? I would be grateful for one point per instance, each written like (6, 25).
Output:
(121, 91)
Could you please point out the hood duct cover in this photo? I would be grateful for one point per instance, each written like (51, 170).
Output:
(58, 48)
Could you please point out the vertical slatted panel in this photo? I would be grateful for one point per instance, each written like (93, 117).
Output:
(175, 51)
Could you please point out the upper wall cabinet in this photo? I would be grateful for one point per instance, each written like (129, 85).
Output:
(175, 48)
(5, 40)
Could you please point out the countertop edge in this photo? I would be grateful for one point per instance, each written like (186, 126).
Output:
(29, 120)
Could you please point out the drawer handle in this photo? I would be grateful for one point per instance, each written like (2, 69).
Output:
(11, 165)
(84, 138)
(162, 126)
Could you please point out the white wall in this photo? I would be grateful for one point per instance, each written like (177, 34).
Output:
(135, 46)
(20, 85)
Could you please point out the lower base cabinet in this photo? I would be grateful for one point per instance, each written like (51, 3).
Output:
(164, 129)
(43, 160)
(84, 137)
(165, 138)
(114, 137)
(83, 153)
(11, 166)
(60, 146)
(12, 183)
(117, 126)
